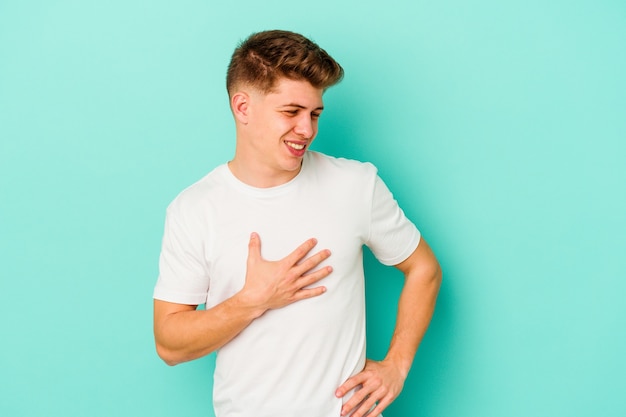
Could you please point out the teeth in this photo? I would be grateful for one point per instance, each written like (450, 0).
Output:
(295, 146)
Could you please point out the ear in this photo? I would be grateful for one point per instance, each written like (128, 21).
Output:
(239, 103)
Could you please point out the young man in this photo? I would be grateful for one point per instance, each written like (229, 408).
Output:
(272, 242)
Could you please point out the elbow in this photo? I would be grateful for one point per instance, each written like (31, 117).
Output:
(168, 356)
(430, 272)
(436, 276)
(431, 276)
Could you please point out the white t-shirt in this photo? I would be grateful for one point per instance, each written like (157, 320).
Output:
(290, 361)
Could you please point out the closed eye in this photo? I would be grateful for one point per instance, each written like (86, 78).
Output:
(294, 112)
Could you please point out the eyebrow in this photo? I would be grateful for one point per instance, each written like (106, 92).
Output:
(299, 106)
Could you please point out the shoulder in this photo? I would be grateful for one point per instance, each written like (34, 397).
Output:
(341, 166)
(346, 180)
(198, 196)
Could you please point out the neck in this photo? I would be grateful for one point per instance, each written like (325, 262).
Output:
(257, 174)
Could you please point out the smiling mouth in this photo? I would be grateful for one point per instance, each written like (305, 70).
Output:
(296, 146)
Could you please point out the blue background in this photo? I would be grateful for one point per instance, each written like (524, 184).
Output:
(499, 126)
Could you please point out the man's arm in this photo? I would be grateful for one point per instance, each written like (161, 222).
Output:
(382, 381)
(183, 333)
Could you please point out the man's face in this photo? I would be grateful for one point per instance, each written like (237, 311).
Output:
(282, 125)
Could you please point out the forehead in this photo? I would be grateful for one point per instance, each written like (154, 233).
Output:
(300, 92)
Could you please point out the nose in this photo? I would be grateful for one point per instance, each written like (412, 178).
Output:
(305, 127)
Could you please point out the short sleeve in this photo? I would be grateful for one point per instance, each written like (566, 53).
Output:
(392, 237)
(183, 276)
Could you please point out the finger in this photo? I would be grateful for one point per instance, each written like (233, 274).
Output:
(310, 279)
(353, 404)
(350, 383)
(254, 247)
(309, 293)
(300, 252)
(380, 407)
(368, 402)
(361, 402)
(364, 408)
(311, 262)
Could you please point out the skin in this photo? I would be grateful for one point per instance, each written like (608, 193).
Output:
(266, 125)
(382, 381)
(183, 333)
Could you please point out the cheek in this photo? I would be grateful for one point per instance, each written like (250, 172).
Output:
(287, 126)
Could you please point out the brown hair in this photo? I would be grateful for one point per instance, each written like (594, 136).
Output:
(264, 57)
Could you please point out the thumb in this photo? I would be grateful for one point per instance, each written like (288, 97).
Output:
(254, 247)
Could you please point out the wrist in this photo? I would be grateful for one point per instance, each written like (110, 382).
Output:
(247, 304)
(401, 363)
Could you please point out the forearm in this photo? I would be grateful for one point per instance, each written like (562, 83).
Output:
(183, 333)
(381, 382)
(415, 310)
(189, 334)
